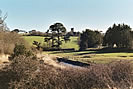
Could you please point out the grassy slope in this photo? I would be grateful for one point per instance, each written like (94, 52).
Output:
(30, 39)
(85, 56)
(71, 44)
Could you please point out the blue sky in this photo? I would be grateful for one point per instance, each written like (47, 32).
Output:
(80, 14)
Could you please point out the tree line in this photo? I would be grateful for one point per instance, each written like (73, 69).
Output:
(119, 36)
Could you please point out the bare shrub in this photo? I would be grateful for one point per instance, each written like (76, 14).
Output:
(22, 67)
(100, 76)
(8, 41)
(25, 72)
(122, 74)
(117, 74)
(54, 78)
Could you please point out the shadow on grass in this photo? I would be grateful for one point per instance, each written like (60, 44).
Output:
(65, 51)
(115, 50)
(108, 50)
(96, 51)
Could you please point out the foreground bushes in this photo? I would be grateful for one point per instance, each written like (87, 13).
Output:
(25, 72)
(8, 41)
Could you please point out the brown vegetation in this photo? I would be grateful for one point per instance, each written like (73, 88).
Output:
(27, 73)
(8, 41)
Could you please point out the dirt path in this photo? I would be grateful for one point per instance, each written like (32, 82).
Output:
(3, 60)
(59, 62)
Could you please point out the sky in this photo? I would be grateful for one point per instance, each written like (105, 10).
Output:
(78, 14)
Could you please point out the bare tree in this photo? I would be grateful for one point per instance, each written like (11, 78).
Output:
(3, 26)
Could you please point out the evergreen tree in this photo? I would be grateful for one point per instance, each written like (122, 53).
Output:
(57, 32)
(120, 35)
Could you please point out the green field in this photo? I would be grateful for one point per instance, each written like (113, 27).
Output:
(84, 56)
(30, 39)
(72, 44)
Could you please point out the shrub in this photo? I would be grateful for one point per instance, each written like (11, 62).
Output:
(21, 50)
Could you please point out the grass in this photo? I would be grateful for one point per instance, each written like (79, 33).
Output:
(88, 56)
(84, 56)
(30, 39)
(71, 44)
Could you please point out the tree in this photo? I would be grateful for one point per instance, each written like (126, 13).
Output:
(120, 35)
(37, 44)
(89, 39)
(47, 40)
(66, 38)
(3, 26)
(16, 30)
(57, 31)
